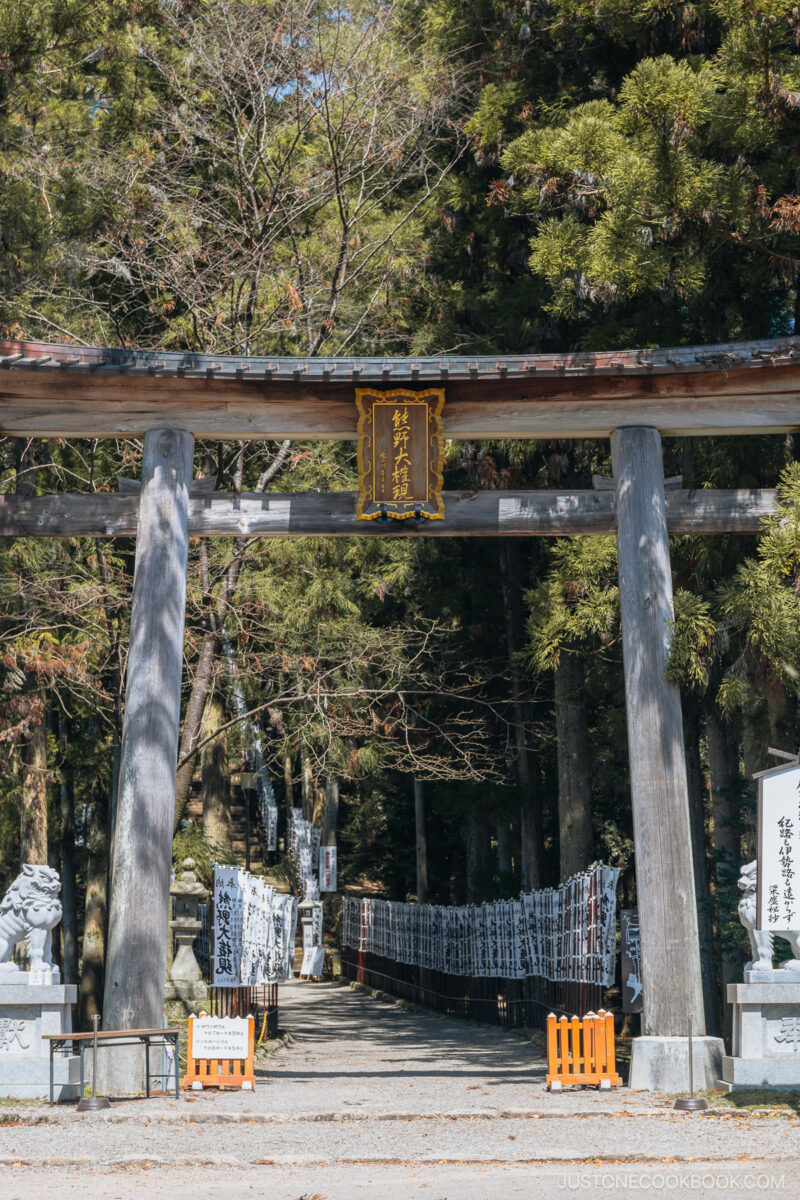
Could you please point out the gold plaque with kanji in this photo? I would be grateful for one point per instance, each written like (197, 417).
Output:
(400, 453)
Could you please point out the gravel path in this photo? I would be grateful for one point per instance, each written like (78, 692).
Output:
(571, 1139)
(373, 1100)
(706, 1181)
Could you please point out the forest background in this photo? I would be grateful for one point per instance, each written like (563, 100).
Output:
(419, 177)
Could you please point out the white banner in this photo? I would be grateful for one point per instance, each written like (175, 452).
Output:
(565, 934)
(779, 850)
(228, 927)
(254, 928)
(304, 852)
(327, 869)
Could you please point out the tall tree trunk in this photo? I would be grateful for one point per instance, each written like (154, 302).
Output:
(472, 838)
(69, 920)
(576, 844)
(90, 993)
(726, 788)
(204, 675)
(215, 781)
(330, 819)
(477, 853)
(306, 785)
(530, 809)
(756, 734)
(206, 664)
(288, 777)
(33, 813)
(192, 723)
(421, 842)
(318, 808)
(697, 792)
(503, 835)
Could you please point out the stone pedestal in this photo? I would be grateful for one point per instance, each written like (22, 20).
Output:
(661, 1064)
(184, 997)
(27, 1011)
(766, 1032)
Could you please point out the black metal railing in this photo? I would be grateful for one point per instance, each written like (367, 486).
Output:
(260, 1002)
(509, 1003)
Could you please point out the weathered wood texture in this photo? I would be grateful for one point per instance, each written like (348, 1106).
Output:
(478, 514)
(42, 402)
(136, 961)
(671, 976)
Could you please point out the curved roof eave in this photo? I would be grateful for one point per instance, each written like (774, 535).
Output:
(44, 356)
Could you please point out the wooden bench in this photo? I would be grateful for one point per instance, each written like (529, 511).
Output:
(117, 1037)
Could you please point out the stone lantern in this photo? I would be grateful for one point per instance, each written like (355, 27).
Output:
(309, 911)
(186, 990)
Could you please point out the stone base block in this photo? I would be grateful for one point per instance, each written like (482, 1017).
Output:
(29, 1078)
(10, 973)
(661, 1064)
(777, 1073)
(766, 1020)
(28, 1012)
(184, 997)
(772, 975)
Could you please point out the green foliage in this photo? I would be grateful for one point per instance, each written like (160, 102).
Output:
(692, 640)
(650, 201)
(755, 611)
(191, 842)
(576, 603)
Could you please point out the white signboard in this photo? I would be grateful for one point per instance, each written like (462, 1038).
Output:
(779, 850)
(220, 1037)
(327, 868)
(313, 961)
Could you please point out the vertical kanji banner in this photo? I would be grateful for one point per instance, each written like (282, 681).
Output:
(565, 934)
(254, 929)
(400, 453)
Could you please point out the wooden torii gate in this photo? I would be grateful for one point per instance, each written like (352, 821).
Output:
(169, 399)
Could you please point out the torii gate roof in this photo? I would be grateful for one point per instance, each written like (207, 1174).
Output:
(50, 390)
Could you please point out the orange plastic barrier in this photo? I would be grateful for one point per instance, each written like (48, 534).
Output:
(220, 1072)
(581, 1052)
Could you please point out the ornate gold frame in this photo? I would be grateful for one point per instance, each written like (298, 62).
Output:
(433, 399)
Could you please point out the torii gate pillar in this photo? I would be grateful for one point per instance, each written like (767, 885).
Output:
(136, 960)
(670, 949)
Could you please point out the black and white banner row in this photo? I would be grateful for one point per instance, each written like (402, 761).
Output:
(565, 934)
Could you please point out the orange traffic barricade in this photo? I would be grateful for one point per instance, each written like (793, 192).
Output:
(581, 1052)
(235, 1071)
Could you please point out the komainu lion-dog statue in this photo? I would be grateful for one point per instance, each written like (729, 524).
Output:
(30, 909)
(762, 940)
